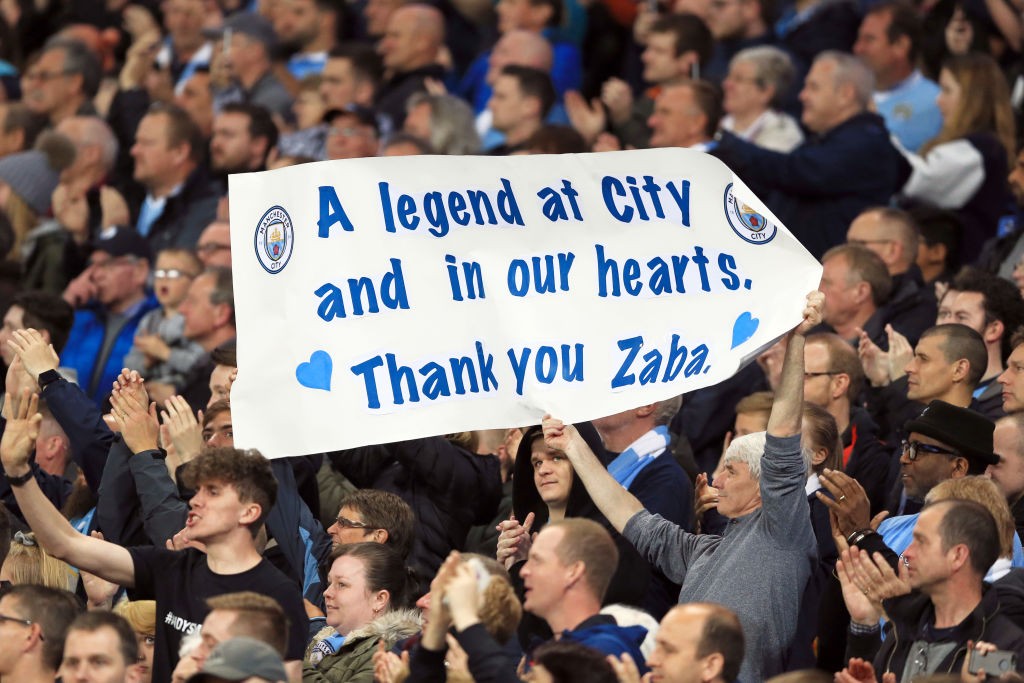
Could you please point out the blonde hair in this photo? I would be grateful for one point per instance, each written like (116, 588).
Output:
(984, 104)
(140, 615)
(981, 490)
(23, 220)
(28, 563)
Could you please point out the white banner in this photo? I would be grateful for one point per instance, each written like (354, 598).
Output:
(386, 299)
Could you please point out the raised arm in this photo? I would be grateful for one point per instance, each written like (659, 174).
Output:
(55, 534)
(76, 413)
(788, 407)
(612, 499)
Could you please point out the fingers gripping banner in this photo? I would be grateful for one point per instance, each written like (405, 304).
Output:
(392, 298)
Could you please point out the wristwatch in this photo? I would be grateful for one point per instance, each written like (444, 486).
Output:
(47, 378)
(20, 480)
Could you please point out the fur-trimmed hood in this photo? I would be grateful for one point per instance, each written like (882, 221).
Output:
(391, 626)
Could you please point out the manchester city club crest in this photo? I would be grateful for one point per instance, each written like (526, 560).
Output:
(275, 238)
(750, 225)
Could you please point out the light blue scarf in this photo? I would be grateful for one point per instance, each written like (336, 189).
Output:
(639, 455)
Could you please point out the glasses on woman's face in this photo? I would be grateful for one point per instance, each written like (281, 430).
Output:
(914, 449)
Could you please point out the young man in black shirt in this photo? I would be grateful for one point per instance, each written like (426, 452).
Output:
(234, 492)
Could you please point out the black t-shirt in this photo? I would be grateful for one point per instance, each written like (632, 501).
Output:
(180, 582)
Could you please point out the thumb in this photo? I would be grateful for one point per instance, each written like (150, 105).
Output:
(904, 570)
(529, 522)
(878, 519)
(168, 544)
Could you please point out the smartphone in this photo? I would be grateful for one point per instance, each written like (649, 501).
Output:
(995, 663)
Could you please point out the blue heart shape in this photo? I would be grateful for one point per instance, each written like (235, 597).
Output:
(316, 374)
(744, 328)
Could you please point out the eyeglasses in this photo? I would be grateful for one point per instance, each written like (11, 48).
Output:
(18, 620)
(346, 523)
(44, 75)
(865, 243)
(211, 247)
(112, 262)
(810, 375)
(914, 449)
(349, 132)
(171, 273)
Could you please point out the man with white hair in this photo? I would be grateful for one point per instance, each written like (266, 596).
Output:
(760, 568)
(847, 164)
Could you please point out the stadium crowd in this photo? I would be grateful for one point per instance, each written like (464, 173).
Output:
(850, 507)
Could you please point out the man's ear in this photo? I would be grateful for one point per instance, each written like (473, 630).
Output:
(250, 514)
(961, 369)
(645, 411)
(711, 666)
(576, 572)
(994, 330)
(222, 315)
(840, 384)
(380, 536)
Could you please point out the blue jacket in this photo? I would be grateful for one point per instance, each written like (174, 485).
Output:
(85, 342)
(821, 186)
(601, 633)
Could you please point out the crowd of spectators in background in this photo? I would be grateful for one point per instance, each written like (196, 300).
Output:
(848, 508)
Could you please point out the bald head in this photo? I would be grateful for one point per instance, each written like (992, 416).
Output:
(97, 147)
(700, 637)
(413, 39)
(520, 48)
(890, 233)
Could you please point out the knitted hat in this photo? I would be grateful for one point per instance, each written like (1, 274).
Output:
(34, 175)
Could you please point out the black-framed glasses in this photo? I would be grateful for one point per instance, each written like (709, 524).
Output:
(914, 449)
(346, 523)
(811, 375)
(211, 247)
(19, 620)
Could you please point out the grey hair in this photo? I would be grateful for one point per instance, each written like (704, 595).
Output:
(774, 68)
(97, 132)
(749, 449)
(851, 71)
(667, 409)
(452, 124)
(78, 60)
